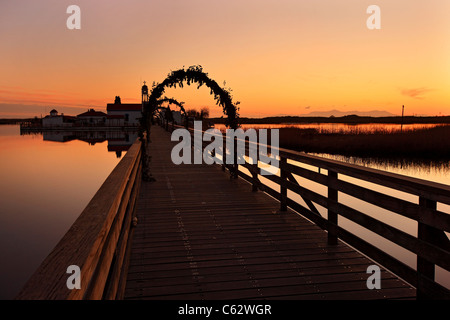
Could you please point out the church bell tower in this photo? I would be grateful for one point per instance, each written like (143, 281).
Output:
(144, 95)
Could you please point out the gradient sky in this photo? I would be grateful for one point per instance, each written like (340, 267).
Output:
(279, 57)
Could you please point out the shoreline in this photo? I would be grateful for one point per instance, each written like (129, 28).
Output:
(351, 119)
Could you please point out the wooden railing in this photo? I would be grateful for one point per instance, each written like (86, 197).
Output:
(431, 245)
(97, 242)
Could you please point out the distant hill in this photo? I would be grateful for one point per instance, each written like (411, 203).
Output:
(351, 119)
(337, 113)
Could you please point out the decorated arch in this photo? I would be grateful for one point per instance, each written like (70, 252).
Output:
(193, 74)
(170, 101)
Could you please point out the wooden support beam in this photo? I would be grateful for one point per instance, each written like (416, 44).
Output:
(332, 216)
(308, 202)
(283, 187)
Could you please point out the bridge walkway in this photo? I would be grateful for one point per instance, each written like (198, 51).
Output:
(203, 236)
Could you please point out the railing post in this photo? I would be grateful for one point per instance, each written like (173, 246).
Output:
(224, 154)
(283, 186)
(332, 216)
(253, 166)
(235, 165)
(255, 177)
(213, 153)
(425, 233)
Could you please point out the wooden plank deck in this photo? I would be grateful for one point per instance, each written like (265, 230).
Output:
(204, 236)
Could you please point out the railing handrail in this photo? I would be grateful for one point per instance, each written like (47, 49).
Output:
(431, 245)
(438, 191)
(96, 242)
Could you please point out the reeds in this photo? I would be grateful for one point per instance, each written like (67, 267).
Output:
(422, 143)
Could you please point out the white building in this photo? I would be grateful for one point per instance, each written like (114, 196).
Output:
(115, 120)
(57, 120)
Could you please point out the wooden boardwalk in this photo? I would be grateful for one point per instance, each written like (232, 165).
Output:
(204, 236)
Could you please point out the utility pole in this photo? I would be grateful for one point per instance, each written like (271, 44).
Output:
(403, 111)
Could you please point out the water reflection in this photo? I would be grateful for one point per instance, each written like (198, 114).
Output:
(119, 141)
(46, 180)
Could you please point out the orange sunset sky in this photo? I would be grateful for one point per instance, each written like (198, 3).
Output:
(281, 57)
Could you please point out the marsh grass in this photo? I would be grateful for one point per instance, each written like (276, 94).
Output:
(422, 143)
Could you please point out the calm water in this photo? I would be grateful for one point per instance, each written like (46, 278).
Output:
(45, 183)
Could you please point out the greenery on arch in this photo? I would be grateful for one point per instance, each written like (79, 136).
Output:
(195, 74)
(159, 102)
